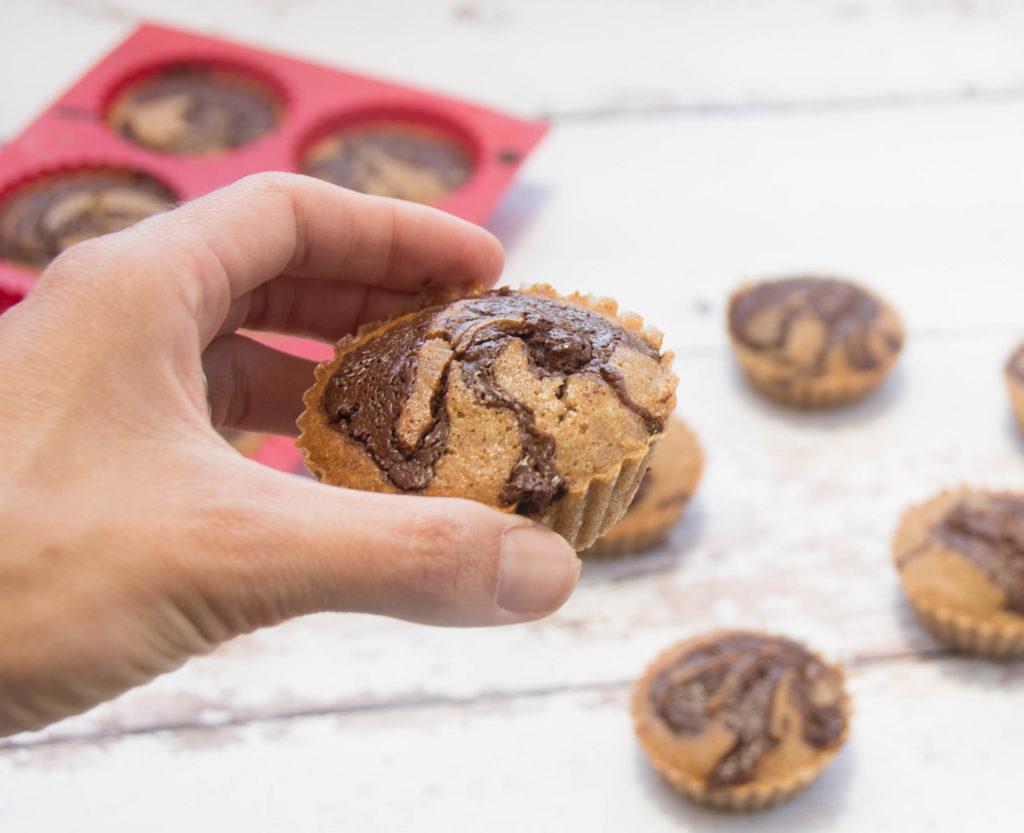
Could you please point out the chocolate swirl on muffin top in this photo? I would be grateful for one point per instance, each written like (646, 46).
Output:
(805, 322)
(735, 681)
(368, 397)
(194, 109)
(988, 530)
(391, 160)
(43, 218)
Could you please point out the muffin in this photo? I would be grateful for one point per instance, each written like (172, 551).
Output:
(661, 498)
(194, 109)
(546, 406)
(41, 219)
(740, 720)
(391, 159)
(813, 342)
(1014, 374)
(960, 558)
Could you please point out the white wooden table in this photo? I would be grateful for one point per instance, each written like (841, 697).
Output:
(694, 144)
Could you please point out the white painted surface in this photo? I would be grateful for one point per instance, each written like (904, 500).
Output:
(356, 723)
(569, 56)
(915, 761)
(790, 532)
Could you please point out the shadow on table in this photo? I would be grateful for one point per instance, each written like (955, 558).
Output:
(666, 555)
(987, 673)
(969, 669)
(869, 409)
(516, 211)
(809, 810)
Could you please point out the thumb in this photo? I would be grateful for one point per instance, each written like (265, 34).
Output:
(295, 546)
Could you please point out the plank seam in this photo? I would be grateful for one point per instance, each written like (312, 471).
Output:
(395, 704)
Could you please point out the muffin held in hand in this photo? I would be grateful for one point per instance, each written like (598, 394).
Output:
(663, 495)
(1014, 374)
(961, 562)
(740, 720)
(813, 342)
(546, 406)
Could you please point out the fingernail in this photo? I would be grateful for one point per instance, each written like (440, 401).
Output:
(538, 570)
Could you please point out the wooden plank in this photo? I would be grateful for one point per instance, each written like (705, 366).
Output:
(932, 748)
(570, 57)
(44, 47)
(791, 526)
(668, 215)
(790, 532)
(422, 729)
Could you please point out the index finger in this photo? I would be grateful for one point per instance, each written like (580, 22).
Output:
(221, 246)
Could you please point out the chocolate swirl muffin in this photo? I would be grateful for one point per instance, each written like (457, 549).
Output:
(43, 218)
(960, 558)
(526, 401)
(391, 159)
(194, 109)
(811, 341)
(661, 498)
(1014, 375)
(739, 720)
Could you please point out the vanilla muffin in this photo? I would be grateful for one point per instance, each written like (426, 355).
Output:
(960, 558)
(42, 218)
(739, 720)
(546, 406)
(663, 495)
(813, 342)
(391, 159)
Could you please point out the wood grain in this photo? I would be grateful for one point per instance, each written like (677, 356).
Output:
(696, 145)
(790, 532)
(572, 58)
(915, 761)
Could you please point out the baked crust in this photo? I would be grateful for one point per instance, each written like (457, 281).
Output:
(661, 499)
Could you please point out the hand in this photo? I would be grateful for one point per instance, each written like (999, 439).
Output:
(132, 536)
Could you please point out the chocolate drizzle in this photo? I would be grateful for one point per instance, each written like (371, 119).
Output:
(38, 222)
(847, 312)
(366, 395)
(988, 530)
(733, 681)
(195, 109)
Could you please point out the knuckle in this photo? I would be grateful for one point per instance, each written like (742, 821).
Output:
(443, 546)
(282, 189)
(229, 598)
(84, 257)
(273, 182)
